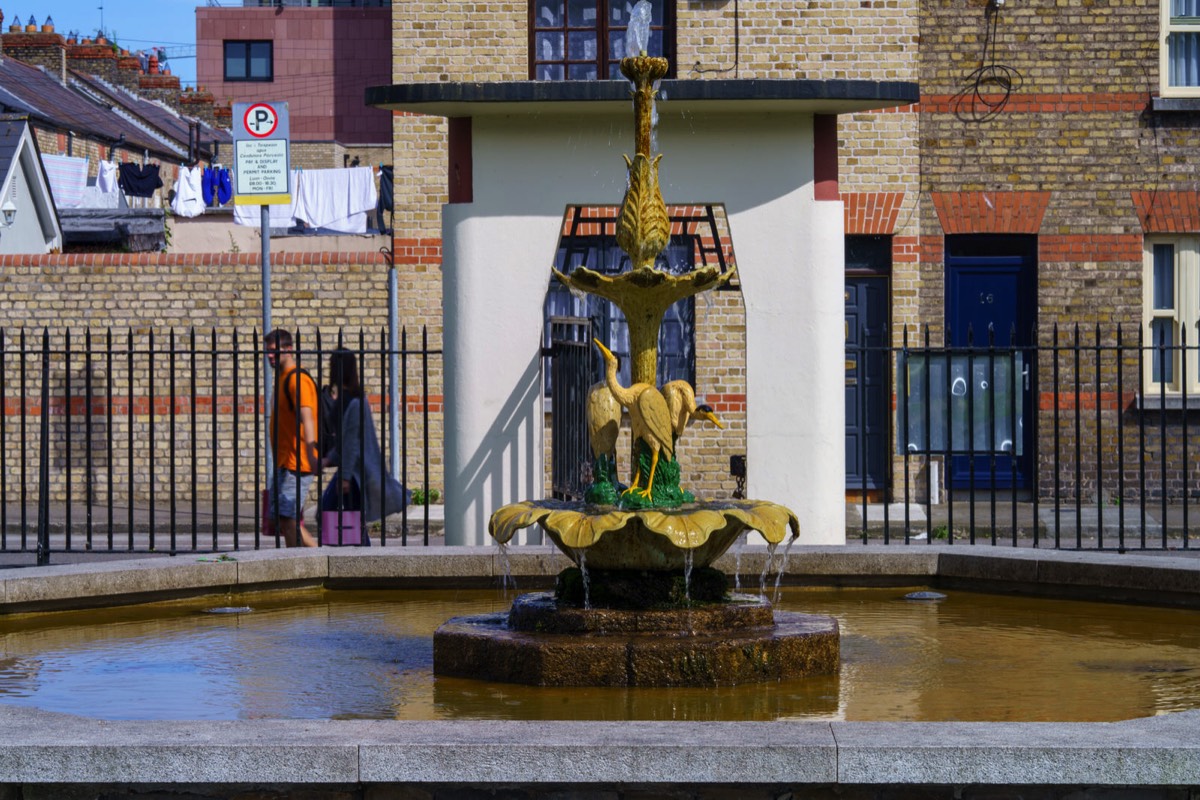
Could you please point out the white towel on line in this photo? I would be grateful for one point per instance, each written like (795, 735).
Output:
(336, 199)
(281, 216)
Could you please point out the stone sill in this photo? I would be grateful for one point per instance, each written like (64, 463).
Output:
(1175, 104)
(1152, 401)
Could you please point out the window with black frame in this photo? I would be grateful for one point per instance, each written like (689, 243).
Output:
(584, 40)
(676, 336)
(249, 61)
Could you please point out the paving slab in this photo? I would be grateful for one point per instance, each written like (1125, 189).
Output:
(867, 560)
(299, 565)
(1014, 565)
(39, 747)
(892, 512)
(1091, 519)
(440, 562)
(75, 582)
(1045, 753)
(618, 752)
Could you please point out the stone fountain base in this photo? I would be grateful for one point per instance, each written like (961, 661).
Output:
(538, 643)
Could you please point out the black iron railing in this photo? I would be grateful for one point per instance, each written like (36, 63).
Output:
(151, 441)
(1081, 438)
(571, 376)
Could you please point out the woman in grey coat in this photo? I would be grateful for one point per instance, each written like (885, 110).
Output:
(361, 481)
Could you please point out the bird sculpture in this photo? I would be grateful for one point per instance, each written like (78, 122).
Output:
(681, 400)
(604, 425)
(649, 419)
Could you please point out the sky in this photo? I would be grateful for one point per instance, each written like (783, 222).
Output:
(134, 24)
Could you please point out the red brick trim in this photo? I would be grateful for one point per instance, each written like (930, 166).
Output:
(1076, 103)
(1168, 212)
(97, 260)
(726, 403)
(906, 249)
(31, 405)
(1079, 248)
(911, 108)
(1068, 401)
(990, 212)
(417, 251)
(872, 212)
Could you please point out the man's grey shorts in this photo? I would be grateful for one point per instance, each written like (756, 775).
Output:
(283, 492)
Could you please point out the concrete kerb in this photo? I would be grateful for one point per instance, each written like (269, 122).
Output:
(43, 748)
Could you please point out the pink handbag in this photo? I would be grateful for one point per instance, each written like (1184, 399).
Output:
(351, 528)
(268, 529)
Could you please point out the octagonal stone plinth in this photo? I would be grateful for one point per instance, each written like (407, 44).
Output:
(726, 644)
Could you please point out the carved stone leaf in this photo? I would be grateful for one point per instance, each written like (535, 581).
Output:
(770, 519)
(687, 530)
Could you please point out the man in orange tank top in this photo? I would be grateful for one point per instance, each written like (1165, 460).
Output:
(293, 440)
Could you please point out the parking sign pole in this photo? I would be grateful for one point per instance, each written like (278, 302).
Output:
(268, 388)
(261, 177)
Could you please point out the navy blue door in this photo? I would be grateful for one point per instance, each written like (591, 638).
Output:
(867, 387)
(991, 286)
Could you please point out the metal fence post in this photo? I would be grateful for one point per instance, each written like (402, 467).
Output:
(43, 520)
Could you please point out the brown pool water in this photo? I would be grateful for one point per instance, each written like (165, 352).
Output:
(368, 655)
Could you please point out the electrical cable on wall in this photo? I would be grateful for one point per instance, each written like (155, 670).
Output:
(699, 70)
(978, 100)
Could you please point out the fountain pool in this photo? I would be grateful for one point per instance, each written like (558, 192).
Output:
(368, 655)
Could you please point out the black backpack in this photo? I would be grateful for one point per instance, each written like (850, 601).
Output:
(328, 415)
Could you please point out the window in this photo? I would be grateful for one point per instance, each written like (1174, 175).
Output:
(581, 40)
(676, 358)
(1180, 48)
(1171, 306)
(249, 61)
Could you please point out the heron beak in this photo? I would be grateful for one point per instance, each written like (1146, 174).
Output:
(604, 350)
(705, 412)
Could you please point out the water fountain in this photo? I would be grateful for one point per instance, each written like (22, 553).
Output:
(643, 606)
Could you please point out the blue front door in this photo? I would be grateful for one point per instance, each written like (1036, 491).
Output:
(991, 300)
(867, 385)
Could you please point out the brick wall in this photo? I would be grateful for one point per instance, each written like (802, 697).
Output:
(138, 296)
(1076, 138)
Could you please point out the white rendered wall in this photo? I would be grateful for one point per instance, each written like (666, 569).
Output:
(498, 251)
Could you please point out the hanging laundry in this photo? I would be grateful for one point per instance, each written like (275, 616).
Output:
(208, 185)
(188, 201)
(281, 216)
(336, 199)
(138, 181)
(106, 177)
(385, 197)
(68, 177)
(224, 186)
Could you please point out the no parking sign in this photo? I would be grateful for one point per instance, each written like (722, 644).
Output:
(260, 154)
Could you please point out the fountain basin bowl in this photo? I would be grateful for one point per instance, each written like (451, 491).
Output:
(691, 647)
(670, 539)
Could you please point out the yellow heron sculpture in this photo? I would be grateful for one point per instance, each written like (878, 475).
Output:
(604, 425)
(681, 400)
(649, 419)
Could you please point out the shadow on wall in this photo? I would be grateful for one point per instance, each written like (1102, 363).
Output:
(483, 480)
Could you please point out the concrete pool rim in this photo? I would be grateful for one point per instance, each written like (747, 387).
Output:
(43, 748)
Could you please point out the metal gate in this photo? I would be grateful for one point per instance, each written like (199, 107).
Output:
(571, 376)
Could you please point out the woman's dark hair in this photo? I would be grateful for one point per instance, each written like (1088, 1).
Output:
(343, 372)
